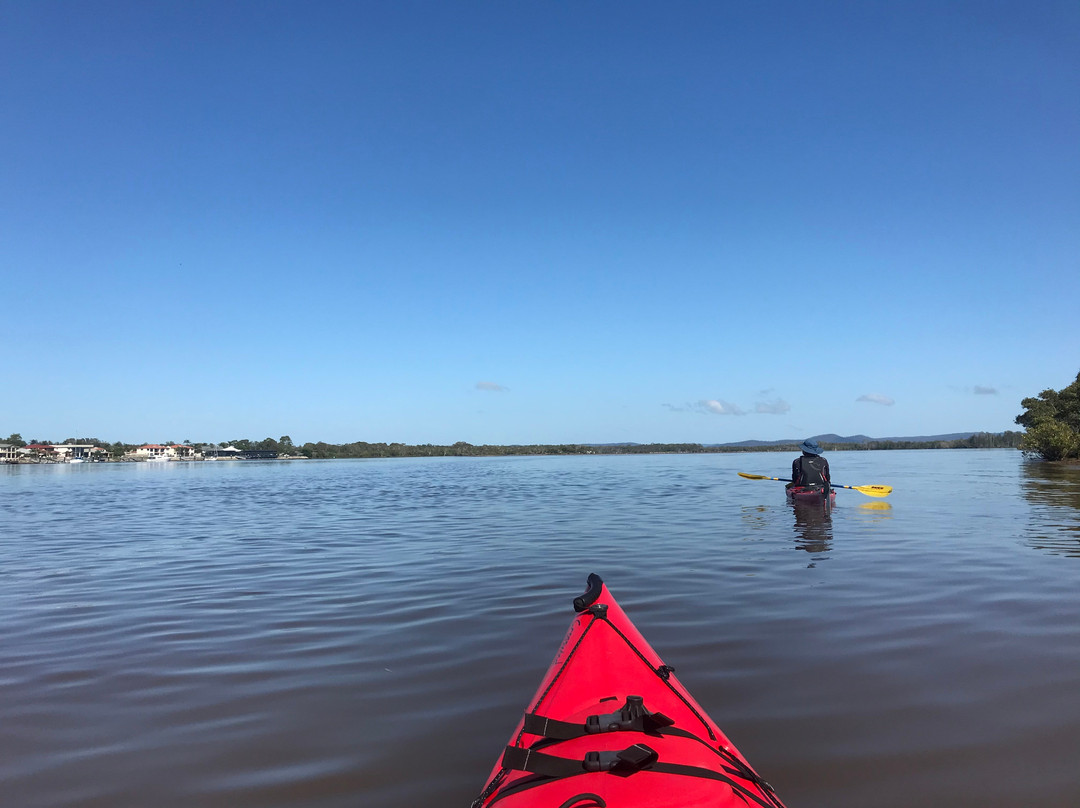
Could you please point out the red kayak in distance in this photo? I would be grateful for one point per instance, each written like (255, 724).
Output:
(611, 726)
(810, 494)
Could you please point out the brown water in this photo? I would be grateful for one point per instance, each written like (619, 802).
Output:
(367, 633)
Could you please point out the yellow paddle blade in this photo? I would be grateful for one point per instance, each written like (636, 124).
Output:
(758, 477)
(874, 490)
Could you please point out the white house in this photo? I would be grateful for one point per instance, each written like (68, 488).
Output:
(77, 451)
(155, 451)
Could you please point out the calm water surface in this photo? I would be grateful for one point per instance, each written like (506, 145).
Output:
(367, 633)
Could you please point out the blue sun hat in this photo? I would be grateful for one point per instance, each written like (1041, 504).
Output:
(810, 446)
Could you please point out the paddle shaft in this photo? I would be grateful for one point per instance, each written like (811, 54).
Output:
(869, 490)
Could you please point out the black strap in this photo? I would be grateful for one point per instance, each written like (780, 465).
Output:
(526, 760)
(554, 730)
(631, 717)
(638, 757)
(623, 761)
(551, 728)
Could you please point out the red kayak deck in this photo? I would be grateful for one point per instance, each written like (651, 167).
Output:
(612, 726)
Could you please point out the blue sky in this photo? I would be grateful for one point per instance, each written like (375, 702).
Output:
(507, 222)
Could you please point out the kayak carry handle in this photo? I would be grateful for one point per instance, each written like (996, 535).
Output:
(592, 593)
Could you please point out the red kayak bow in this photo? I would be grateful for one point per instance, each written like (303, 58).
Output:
(612, 727)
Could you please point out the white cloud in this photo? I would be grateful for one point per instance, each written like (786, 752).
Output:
(491, 387)
(718, 407)
(877, 398)
(985, 391)
(777, 407)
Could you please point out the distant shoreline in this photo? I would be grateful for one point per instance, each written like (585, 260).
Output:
(93, 450)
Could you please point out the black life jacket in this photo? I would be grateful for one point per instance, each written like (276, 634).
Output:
(813, 471)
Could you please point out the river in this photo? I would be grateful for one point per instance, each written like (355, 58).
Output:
(367, 633)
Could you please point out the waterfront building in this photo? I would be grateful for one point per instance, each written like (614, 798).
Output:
(215, 452)
(155, 451)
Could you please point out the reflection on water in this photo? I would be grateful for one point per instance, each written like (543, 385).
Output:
(813, 529)
(878, 506)
(1053, 489)
(756, 519)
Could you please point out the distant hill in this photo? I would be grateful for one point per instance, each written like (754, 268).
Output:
(831, 438)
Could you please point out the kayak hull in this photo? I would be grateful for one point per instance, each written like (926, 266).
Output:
(810, 495)
(610, 724)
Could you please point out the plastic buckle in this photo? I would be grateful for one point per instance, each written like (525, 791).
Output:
(631, 716)
(632, 759)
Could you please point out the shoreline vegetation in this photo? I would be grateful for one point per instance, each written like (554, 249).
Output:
(462, 449)
(283, 448)
(1052, 423)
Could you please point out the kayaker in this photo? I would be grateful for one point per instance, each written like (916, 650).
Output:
(810, 468)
